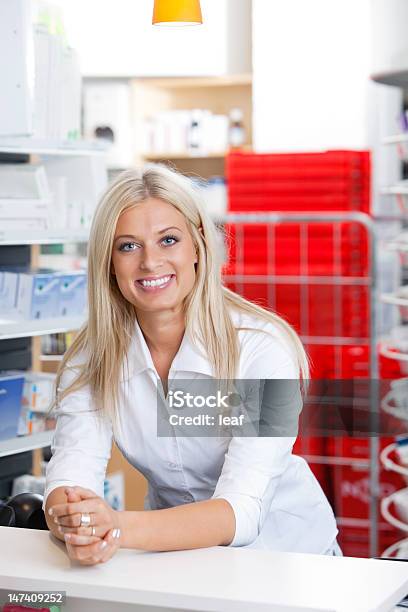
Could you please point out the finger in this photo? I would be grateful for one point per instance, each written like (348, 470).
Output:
(74, 520)
(88, 553)
(84, 493)
(86, 505)
(72, 495)
(113, 540)
(96, 552)
(80, 540)
(98, 531)
(72, 552)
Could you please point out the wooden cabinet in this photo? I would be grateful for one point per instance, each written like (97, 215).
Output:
(217, 94)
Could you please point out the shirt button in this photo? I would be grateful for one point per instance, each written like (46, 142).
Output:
(173, 466)
(188, 498)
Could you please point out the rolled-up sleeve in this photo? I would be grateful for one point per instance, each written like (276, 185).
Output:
(81, 444)
(248, 481)
(253, 466)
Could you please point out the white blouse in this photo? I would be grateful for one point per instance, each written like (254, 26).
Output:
(277, 501)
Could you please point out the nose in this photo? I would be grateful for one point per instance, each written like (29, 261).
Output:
(151, 259)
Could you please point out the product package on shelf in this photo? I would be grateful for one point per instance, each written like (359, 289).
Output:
(25, 198)
(329, 181)
(41, 293)
(57, 84)
(31, 395)
(11, 391)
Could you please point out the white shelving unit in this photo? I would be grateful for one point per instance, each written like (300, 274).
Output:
(45, 237)
(28, 146)
(23, 444)
(40, 327)
(10, 329)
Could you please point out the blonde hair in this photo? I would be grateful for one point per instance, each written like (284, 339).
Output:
(106, 336)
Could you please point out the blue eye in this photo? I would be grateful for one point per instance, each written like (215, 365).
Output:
(169, 240)
(126, 244)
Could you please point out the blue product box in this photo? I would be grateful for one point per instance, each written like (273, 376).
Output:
(38, 294)
(11, 392)
(72, 293)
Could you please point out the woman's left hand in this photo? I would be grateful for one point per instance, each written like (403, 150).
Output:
(68, 516)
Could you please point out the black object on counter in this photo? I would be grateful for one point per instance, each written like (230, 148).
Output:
(28, 511)
(7, 516)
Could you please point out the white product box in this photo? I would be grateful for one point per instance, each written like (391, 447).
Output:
(27, 483)
(8, 293)
(214, 194)
(72, 293)
(17, 68)
(38, 391)
(23, 182)
(23, 209)
(77, 184)
(107, 108)
(37, 295)
(22, 225)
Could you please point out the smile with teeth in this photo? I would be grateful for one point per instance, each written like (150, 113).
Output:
(157, 282)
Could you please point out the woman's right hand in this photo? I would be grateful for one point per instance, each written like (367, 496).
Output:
(99, 551)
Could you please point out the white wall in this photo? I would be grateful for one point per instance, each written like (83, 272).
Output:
(116, 38)
(311, 63)
(390, 35)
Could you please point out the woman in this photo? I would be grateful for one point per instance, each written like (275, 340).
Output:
(158, 313)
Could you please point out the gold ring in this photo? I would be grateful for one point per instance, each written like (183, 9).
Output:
(85, 520)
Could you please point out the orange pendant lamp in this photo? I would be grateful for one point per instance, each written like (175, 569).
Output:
(177, 12)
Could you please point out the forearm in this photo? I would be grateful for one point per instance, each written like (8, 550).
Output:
(198, 525)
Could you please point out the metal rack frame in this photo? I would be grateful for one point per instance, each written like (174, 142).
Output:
(273, 219)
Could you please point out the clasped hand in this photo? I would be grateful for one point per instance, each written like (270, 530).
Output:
(100, 539)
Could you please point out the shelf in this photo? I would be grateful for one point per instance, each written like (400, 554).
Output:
(399, 244)
(396, 139)
(51, 358)
(395, 190)
(387, 350)
(27, 146)
(23, 444)
(234, 80)
(394, 299)
(318, 459)
(398, 78)
(8, 238)
(156, 156)
(38, 327)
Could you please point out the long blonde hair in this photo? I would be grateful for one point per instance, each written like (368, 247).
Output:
(104, 339)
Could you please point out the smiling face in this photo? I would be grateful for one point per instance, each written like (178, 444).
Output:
(153, 257)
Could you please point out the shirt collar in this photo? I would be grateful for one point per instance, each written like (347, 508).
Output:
(190, 357)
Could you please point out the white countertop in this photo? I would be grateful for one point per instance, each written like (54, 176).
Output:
(219, 578)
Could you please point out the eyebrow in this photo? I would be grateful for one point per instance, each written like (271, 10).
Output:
(163, 231)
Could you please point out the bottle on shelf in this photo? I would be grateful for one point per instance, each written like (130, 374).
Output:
(195, 133)
(236, 128)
